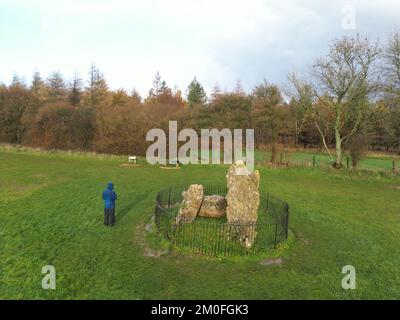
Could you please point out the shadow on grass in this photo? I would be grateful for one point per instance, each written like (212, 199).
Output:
(120, 214)
(136, 199)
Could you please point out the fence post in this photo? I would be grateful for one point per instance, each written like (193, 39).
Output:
(169, 198)
(287, 221)
(156, 210)
(394, 167)
(347, 162)
(313, 160)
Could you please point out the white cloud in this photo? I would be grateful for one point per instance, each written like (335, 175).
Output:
(218, 41)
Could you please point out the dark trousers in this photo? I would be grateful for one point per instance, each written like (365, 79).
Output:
(109, 216)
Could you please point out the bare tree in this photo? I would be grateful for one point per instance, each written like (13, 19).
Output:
(391, 71)
(392, 63)
(342, 81)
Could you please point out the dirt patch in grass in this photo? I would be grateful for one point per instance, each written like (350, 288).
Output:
(147, 237)
(300, 237)
(20, 188)
(134, 165)
(14, 189)
(272, 262)
(305, 241)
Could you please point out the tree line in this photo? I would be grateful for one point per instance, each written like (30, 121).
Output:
(349, 101)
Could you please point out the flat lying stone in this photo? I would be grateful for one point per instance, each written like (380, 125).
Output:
(213, 206)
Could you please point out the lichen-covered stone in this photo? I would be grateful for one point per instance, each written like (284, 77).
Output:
(243, 200)
(213, 206)
(192, 199)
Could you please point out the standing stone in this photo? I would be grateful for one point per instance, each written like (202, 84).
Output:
(213, 206)
(243, 200)
(192, 199)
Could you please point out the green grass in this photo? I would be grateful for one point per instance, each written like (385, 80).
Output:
(51, 213)
(219, 239)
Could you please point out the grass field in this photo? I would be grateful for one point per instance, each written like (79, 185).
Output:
(305, 158)
(51, 214)
(381, 162)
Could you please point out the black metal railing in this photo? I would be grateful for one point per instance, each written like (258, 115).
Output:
(217, 237)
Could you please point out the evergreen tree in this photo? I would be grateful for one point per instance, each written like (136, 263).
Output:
(239, 88)
(135, 96)
(196, 93)
(97, 88)
(159, 87)
(38, 87)
(75, 92)
(56, 86)
(17, 82)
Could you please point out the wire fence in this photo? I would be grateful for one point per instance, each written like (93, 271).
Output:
(386, 166)
(216, 236)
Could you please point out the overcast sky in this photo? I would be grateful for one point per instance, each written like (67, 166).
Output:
(219, 41)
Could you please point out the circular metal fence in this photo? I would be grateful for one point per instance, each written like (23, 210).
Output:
(216, 236)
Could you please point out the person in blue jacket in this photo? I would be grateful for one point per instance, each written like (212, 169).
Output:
(109, 197)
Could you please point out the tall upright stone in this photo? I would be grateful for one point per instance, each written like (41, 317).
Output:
(243, 200)
(192, 199)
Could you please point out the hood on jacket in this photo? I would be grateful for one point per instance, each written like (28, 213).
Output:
(110, 186)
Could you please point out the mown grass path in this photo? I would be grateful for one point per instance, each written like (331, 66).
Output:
(51, 213)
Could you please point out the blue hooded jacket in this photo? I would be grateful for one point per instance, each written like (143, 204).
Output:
(109, 196)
